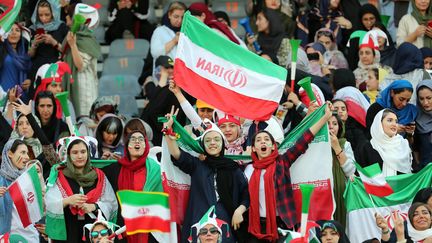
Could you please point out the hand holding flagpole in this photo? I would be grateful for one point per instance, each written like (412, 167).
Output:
(62, 97)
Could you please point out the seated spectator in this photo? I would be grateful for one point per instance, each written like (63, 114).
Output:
(24, 131)
(48, 33)
(14, 60)
(427, 60)
(375, 76)
(423, 131)
(387, 148)
(109, 135)
(128, 19)
(332, 57)
(414, 27)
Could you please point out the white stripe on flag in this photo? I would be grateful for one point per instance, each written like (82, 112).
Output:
(377, 180)
(129, 211)
(28, 191)
(199, 59)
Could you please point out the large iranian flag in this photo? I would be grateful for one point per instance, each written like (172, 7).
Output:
(360, 219)
(313, 167)
(144, 212)
(26, 193)
(210, 67)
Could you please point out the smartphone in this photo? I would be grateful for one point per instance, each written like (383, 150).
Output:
(313, 56)
(19, 91)
(40, 31)
(430, 23)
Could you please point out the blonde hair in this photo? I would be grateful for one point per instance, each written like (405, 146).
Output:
(176, 6)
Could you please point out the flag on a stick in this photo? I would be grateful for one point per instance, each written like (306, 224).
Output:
(374, 181)
(144, 212)
(26, 193)
(214, 69)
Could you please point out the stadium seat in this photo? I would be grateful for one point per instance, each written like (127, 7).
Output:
(234, 9)
(123, 66)
(129, 48)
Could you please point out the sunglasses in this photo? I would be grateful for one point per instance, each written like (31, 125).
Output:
(102, 233)
(204, 231)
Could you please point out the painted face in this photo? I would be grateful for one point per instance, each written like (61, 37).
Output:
(79, 155)
(272, 4)
(45, 109)
(209, 234)
(341, 109)
(333, 125)
(401, 100)
(329, 235)
(54, 87)
(427, 63)
(213, 143)
(230, 130)
(263, 145)
(422, 5)
(262, 23)
(20, 157)
(99, 233)
(421, 219)
(45, 15)
(109, 137)
(24, 128)
(205, 113)
(136, 146)
(389, 124)
(425, 98)
(366, 55)
(372, 83)
(368, 20)
(325, 41)
(14, 35)
(176, 17)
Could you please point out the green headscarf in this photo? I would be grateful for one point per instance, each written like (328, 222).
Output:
(423, 20)
(89, 176)
(339, 180)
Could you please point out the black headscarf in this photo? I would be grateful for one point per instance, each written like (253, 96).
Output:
(343, 77)
(55, 126)
(368, 8)
(408, 58)
(426, 52)
(271, 42)
(423, 195)
(343, 238)
(224, 169)
(167, 23)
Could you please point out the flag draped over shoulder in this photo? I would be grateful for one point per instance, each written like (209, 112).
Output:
(361, 209)
(8, 17)
(144, 211)
(225, 75)
(26, 193)
(313, 167)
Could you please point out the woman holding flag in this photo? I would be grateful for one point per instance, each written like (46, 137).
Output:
(15, 156)
(76, 192)
(215, 181)
(271, 194)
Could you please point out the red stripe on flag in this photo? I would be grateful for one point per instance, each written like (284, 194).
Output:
(20, 204)
(229, 101)
(322, 195)
(356, 111)
(379, 191)
(146, 224)
(178, 199)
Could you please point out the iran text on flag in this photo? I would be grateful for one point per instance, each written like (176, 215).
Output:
(225, 75)
(313, 167)
(144, 212)
(26, 193)
(360, 210)
(8, 17)
(374, 181)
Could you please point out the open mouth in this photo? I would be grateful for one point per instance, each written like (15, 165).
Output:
(263, 148)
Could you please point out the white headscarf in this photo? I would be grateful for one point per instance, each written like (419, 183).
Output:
(394, 151)
(418, 235)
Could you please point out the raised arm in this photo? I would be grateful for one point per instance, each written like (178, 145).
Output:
(187, 108)
(173, 148)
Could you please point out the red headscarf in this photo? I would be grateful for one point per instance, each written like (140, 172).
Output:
(269, 164)
(210, 20)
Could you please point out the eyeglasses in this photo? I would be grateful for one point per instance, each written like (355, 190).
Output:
(325, 33)
(137, 139)
(204, 231)
(102, 233)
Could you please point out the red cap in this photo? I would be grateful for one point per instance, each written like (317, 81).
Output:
(229, 118)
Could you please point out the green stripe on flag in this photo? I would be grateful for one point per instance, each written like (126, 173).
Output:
(369, 171)
(304, 125)
(201, 35)
(404, 186)
(139, 198)
(8, 19)
(34, 176)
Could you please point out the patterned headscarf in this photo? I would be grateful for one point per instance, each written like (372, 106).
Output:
(8, 170)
